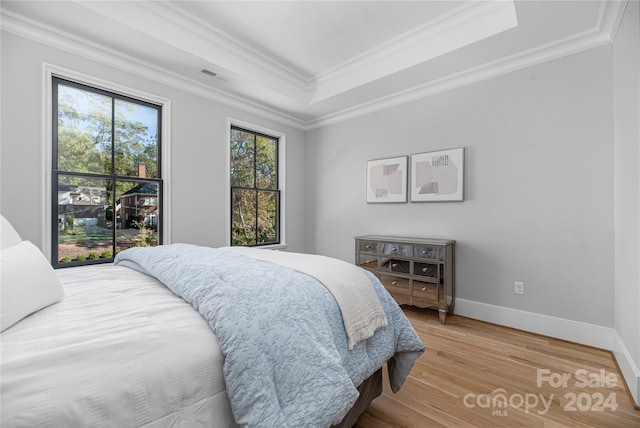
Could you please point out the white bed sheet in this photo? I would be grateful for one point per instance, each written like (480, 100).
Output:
(120, 350)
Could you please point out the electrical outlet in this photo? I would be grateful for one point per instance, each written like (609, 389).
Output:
(519, 287)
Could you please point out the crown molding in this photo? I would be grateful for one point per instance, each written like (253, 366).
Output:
(56, 38)
(168, 24)
(603, 32)
(473, 21)
(207, 31)
(461, 26)
(610, 17)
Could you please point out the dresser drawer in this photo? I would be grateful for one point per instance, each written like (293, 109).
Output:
(367, 262)
(425, 294)
(427, 270)
(370, 262)
(429, 252)
(393, 249)
(395, 265)
(398, 287)
(368, 246)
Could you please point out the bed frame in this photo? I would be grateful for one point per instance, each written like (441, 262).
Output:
(369, 390)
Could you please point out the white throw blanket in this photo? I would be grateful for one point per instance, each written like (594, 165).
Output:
(361, 311)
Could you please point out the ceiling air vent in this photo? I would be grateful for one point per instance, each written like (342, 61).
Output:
(208, 72)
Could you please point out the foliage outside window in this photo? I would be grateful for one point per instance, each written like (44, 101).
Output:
(255, 196)
(106, 178)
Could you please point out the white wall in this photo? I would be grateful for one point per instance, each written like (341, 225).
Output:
(626, 67)
(198, 134)
(539, 185)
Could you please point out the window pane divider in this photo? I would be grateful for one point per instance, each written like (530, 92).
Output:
(93, 195)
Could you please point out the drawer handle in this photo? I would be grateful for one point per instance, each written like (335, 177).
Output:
(394, 265)
(424, 252)
(394, 250)
(424, 269)
(394, 283)
(424, 288)
(368, 247)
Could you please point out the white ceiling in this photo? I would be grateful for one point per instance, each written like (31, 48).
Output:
(309, 63)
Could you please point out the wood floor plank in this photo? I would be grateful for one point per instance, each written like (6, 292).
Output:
(470, 365)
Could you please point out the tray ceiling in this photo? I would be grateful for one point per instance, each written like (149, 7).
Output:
(309, 63)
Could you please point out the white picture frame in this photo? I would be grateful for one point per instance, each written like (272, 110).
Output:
(387, 180)
(438, 176)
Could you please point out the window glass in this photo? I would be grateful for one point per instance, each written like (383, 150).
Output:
(243, 212)
(242, 158)
(84, 220)
(255, 197)
(267, 230)
(136, 214)
(84, 131)
(105, 174)
(136, 140)
(266, 163)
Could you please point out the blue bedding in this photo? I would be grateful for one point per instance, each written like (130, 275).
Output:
(287, 362)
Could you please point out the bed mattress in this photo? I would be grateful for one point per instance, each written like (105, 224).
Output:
(119, 350)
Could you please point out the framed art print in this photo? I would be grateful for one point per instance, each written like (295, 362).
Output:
(387, 180)
(438, 176)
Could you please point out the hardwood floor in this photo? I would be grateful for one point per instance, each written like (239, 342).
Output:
(476, 374)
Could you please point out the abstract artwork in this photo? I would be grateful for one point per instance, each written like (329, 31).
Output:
(387, 180)
(437, 176)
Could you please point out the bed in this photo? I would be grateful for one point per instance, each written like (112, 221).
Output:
(114, 345)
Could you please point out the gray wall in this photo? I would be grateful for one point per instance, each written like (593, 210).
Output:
(627, 181)
(198, 129)
(551, 181)
(538, 186)
(539, 200)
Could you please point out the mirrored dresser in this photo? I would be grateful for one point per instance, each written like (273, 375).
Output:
(416, 271)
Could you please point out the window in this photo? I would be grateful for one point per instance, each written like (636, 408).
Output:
(106, 174)
(255, 193)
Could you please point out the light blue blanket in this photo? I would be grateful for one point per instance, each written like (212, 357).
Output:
(287, 362)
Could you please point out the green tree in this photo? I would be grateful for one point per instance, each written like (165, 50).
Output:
(77, 152)
(85, 133)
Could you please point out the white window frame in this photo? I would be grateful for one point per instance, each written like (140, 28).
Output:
(49, 71)
(281, 178)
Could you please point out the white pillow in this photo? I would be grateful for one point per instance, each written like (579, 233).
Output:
(28, 283)
(8, 235)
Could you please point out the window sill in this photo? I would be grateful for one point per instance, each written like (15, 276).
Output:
(268, 247)
(275, 247)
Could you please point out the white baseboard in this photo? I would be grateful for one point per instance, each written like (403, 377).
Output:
(629, 369)
(560, 328)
